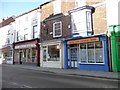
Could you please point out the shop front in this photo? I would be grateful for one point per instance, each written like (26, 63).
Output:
(52, 54)
(27, 52)
(115, 47)
(87, 53)
(6, 54)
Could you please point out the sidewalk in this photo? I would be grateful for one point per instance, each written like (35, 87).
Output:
(76, 72)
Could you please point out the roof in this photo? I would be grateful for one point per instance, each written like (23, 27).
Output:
(7, 21)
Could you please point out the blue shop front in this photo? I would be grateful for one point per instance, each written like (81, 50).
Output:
(86, 53)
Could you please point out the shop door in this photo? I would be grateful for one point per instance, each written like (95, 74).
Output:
(73, 57)
(20, 58)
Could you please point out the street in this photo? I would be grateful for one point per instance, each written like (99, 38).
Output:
(25, 78)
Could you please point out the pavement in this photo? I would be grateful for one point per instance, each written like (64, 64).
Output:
(75, 72)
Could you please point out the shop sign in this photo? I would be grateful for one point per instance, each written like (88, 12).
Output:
(25, 46)
(83, 40)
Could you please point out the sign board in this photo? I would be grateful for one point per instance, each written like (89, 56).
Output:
(25, 46)
(83, 40)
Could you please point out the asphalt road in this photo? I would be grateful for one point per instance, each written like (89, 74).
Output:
(15, 77)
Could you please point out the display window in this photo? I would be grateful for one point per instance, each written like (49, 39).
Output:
(91, 52)
(51, 53)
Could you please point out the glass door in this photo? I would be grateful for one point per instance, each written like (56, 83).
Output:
(73, 57)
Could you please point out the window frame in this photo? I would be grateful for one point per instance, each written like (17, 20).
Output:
(45, 47)
(25, 34)
(89, 21)
(34, 32)
(59, 28)
(79, 61)
(18, 36)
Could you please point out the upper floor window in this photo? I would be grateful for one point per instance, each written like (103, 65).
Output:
(78, 21)
(35, 31)
(89, 24)
(57, 6)
(8, 40)
(26, 34)
(57, 29)
(18, 35)
(8, 32)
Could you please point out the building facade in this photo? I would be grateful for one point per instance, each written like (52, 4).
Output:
(26, 47)
(55, 27)
(114, 33)
(6, 40)
(87, 48)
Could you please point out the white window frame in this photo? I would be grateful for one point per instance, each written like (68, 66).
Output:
(46, 48)
(94, 56)
(18, 36)
(35, 32)
(25, 34)
(89, 21)
(54, 29)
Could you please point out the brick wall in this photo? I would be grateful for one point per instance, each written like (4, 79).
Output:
(46, 10)
(48, 28)
(47, 15)
(99, 17)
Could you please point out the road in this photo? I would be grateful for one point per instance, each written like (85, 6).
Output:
(16, 77)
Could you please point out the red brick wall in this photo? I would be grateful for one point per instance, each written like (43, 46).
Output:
(45, 30)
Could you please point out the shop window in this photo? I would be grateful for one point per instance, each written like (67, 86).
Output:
(98, 52)
(33, 55)
(57, 29)
(83, 56)
(90, 49)
(28, 54)
(53, 53)
(91, 52)
(119, 51)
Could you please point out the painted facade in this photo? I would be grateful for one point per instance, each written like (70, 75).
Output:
(87, 48)
(114, 33)
(7, 38)
(26, 47)
(87, 53)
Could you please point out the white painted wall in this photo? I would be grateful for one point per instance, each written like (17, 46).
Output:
(28, 21)
(112, 12)
(4, 36)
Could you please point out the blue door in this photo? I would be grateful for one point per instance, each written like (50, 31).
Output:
(73, 57)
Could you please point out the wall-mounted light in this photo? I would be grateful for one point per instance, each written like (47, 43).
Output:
(58, 47)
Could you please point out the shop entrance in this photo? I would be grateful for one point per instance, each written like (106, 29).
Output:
(20, 57)
(73, 57)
